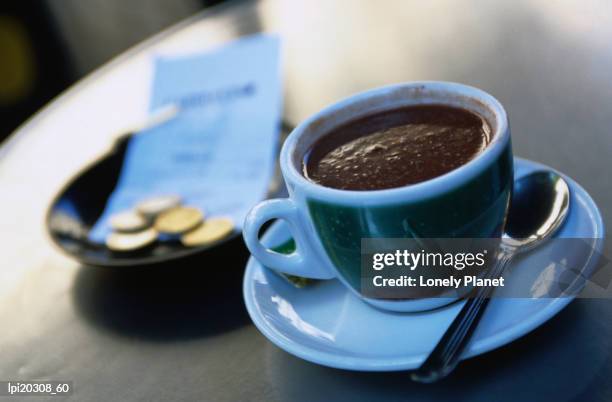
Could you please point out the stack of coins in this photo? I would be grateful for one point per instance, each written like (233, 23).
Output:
(164, 218)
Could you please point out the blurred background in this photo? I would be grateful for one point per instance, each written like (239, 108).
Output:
(46, 45)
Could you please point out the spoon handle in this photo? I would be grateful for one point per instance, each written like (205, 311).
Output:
(447, 353)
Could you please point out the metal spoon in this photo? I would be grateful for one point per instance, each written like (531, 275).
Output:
(539, 205)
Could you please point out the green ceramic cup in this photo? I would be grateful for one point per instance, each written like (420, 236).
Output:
(328, 224)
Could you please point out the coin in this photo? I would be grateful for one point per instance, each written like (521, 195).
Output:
(131, 241)
(152, 207)
(128, 221)
(178, 220)
(211, 231)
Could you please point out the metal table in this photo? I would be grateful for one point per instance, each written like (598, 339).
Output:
(175, 336)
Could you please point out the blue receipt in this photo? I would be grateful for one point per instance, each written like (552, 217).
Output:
(219, 153)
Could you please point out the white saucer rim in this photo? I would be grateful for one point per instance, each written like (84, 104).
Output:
(484, 345)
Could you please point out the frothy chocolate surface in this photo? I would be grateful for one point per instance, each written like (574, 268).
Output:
(396, 148)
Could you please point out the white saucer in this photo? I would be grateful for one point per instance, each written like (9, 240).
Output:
(326, 324)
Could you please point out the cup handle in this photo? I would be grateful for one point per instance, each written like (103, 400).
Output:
(303, 261)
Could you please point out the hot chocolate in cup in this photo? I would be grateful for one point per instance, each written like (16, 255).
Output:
(468, 200)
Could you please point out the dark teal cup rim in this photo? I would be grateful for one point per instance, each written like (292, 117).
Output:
(386, 98)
